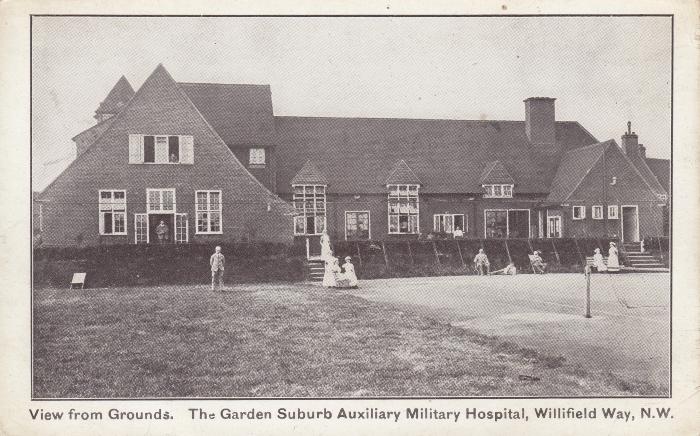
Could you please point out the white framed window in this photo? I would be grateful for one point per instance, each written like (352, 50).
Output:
(448, 223)
(613, 212)
(112, 218)
(578, 212)
(553, 226)
(404, 209)
(506, 223)
(498, 191)
(310, 205)
(161, 149)
(357, 225)
(208, 210)
(160, 201)
(256, 156)
(597, 212)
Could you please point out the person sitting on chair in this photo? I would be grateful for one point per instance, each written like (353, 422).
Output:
(349, 273)
(510, 270)
(537, 263)
(458, 233)
(481, 262)
(598, 261)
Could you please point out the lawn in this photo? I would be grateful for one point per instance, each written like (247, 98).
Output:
(276, 341)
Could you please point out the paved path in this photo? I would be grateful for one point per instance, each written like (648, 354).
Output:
(628, 334)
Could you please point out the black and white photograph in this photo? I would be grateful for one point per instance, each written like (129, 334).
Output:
(351, 207)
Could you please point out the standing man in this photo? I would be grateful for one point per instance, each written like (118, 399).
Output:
(481, 263)
(217, 261)
(162, 231)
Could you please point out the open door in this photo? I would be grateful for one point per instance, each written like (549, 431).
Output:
(630, 224)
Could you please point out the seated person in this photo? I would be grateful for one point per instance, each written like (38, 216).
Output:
(598, 262)
(481, 262)
(510, 270)
(349, 272)
(537, 263)
(458, 233)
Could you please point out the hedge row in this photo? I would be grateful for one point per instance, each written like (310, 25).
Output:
(130, 265)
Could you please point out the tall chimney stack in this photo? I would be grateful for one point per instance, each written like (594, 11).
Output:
(540, 124)
(630, 141)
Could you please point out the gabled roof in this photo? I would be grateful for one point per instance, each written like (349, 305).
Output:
(309, 175)
(647, 174)
(495, 173)
(662, 170)
(240, 114)
(117, 98)
(447, 156)
(402, 174)
(574, 167)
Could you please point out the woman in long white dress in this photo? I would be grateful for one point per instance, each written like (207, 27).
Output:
(613, 260)
(598, 261)
(326, 252)
(330, 273)
(350, 275)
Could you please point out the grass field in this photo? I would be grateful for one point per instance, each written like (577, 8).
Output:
(281, 341)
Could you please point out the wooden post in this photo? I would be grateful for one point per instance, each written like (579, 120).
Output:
(459, 249)
(529, 244)
(437, 256)
(386, 257)
(587, 272)
(410, 253)
(359, 256)
(661, 251)
(556, 253)
(308, 256)
(505, 242)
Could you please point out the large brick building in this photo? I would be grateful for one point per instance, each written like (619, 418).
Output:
(214, 163)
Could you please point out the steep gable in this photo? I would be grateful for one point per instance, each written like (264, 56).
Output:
(117, 98)
(309, 175)
(573, 168)
(662, 171)
(161, 107)
(495, 173)
(402, 174)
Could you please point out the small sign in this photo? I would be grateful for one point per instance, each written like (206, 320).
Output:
(78, 279)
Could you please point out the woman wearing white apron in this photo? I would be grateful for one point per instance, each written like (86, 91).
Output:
(598, 262)
(329, 275)
(613, 260)
(326, 252)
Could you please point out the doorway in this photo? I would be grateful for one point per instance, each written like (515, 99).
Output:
(154, 221)
(630, 224)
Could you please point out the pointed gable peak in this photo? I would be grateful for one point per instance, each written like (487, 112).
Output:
(309, 175)
(402, 174)
(116, 99)
(495, 173)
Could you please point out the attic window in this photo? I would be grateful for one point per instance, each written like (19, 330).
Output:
(256, 156)
(161, 149)
(498, 191)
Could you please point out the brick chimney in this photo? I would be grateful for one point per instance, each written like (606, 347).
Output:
(630, 141)
(540, 125)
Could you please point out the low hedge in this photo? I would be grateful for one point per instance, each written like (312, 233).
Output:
(132, 265)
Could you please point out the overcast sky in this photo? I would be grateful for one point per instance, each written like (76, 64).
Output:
(603, 71)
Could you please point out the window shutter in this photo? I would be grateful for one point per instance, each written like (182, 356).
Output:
(186, 150)
(135, 149)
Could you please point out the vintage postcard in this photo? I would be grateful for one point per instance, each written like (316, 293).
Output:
(358, 221)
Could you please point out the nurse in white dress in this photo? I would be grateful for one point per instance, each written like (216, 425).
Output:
(330, 273)
(613, 260)
(326, 252)
(598, 261)
(350, 275)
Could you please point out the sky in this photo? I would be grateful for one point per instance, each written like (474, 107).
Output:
(603, 71)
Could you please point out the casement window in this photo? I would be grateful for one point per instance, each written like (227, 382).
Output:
(612, 212)
(597, 212)
(310, 205)
(208, 208)
(256, 156)
(506, 223)
(161, 149)
(448, 223)
(357, 225)
(112, 206)
(553, 226)
(404, 209)
(498, 191)
(160, 201)
(578, 212)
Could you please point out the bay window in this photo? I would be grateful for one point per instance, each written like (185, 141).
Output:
(404, 209)
(310, 204)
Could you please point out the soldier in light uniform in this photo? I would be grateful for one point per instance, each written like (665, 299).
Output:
(216, 262)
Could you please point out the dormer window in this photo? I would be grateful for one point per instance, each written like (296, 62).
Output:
(403, 209)
(498, 191)
(256, 157)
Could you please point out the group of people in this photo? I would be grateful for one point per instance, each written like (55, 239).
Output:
(335, 275)
(482, 266)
